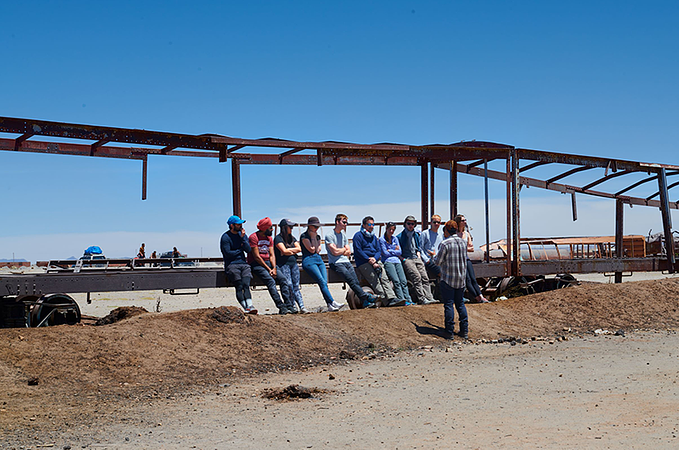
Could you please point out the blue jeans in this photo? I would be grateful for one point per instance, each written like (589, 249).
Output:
(454, 297)
(289, 280)
(472, 285)
(347, 271)
(269, 281)
(398, 277)
(315, 267)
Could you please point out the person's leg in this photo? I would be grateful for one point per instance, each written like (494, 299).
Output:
(284, 280)
(314, 266)
(296, 291)
(370, 275)
(404, 283)
(391, 271)
(448, 300)
(461, 312)
(349, 274)
(233, 275)
(270, 283)
(413, 274)
(246, 277)
(425, 279)
(433, 270)
(472, 285)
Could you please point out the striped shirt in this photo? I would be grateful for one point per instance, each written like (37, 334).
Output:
(452, 258)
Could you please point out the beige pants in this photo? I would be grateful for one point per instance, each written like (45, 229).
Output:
(379, 282)
(416, 273)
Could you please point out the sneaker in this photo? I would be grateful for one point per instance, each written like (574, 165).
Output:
(303, 310)
(369, 304)
(292, 310)
(428, 301)
(397, 302)
(464, 336)
(334, 306)
(251, 310)
(283, 311)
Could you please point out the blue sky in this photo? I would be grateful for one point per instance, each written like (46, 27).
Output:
(596, 78)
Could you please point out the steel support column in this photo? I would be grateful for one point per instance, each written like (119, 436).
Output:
(508, 182)
(453, 189)
(424, 182)
(432, 203)
(619, 252)
(666, 218)
(487, 210)
(144, 173)
(235, 186)
(516, 223)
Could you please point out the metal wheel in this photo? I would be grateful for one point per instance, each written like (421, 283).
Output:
(352, 299)
(55, 309)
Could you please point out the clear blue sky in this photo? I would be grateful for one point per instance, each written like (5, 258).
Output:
(595, 78)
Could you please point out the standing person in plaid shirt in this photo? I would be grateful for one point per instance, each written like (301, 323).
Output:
(452, 258)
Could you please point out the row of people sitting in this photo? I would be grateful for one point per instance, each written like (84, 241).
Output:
(387, 263)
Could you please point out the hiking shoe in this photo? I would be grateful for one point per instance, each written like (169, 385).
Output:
(397, 302)
(251, 310)
(334, 306)
(369, 304)
(464, 336)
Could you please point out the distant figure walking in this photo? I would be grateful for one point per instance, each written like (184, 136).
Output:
(142, 251)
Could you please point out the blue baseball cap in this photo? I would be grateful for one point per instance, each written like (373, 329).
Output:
(233, 220)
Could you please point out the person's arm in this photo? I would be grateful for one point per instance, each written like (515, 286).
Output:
(359, 242)
(424, 243)
(470, 243)
(288, 251)
(441, 255)
(227, 251)
(331, 246)
(312, 248)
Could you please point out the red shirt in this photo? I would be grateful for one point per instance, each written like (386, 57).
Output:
(263, 243)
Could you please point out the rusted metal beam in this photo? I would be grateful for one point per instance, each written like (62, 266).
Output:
(424, 198)
(593, 161)
(453, 188)
(666, 218)
(487, 209)
(619, 205)
(18, 141)
(574, 207)
(235, 187)
(676, 183)
(96, 145)
(568, 173)
(533, 166)
(235, 148)
(144, 173)
(516, 211)
(608, 177)
(598, 265)
(508, 197)
(432, 204)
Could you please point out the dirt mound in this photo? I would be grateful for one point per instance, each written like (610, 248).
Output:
(292, 392)
(160, 354)
(118, 314)
(228, 314)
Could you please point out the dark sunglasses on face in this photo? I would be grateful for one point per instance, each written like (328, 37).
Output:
(410, 224)
(369, 224)
(435, 221)
(345, 222)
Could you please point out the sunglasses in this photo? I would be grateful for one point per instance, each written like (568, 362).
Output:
(369, 224)
(345, 222)
(410, 224)
(435, 221)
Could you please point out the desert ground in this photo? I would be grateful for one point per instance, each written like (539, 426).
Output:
(591, 366)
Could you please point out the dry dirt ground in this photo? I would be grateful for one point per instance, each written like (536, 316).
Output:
(196, 378)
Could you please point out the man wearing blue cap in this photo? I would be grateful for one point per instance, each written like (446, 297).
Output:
(235, 245)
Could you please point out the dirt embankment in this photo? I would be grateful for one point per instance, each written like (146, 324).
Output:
(150, 354)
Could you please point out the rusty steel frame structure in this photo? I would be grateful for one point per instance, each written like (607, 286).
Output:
(458, 158)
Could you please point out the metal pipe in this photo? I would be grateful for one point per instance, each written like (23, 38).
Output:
(574, 207)
(235, 186)
(424, 182)
(516, 223)
(509, 214)
(453, 189)
(487, 211)
(144, 173)
(619, 252)
(666, 218)
(432, 204)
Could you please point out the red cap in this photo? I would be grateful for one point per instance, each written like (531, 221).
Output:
(264, 224)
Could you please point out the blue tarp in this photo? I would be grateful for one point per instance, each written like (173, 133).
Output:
(93, 250)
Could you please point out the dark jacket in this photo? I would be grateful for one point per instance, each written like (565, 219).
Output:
(405, 244)
(365, 248)
(234, 247)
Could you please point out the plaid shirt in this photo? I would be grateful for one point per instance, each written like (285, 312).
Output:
(452, 257)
